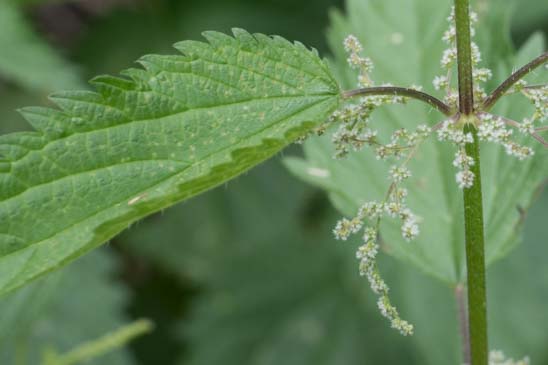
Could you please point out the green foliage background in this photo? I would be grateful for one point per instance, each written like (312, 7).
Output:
(248, 273)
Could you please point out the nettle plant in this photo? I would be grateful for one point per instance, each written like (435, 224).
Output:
(186, 123)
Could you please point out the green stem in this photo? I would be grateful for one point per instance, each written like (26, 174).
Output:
(464, 57)
(475, 257)
(473, 201)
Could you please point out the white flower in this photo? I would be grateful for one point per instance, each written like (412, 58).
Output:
(393, 209)
(462, 160)
(527, 126)
(476, 54)
(352, 44)
(465, 179)
(440, 82)
(346, 227)
(367, 251)
(371, 210)
(450, 35)
(449, 56)
(399, 173)
(369, 234)
(410, 229)
(400, 194)
(521, 152)
(481, 74)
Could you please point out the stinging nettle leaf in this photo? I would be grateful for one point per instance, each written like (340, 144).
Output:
(162, 134)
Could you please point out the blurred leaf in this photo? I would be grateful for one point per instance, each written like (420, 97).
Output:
(63, 310)
(11, 98)
(180, 127)
(518, 293)
(152, 26)
(529, 16)
(87, 351)
(27, 59)
(433, 194)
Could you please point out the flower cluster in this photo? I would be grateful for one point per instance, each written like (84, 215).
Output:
(498, 358)
(354, 133)
(364, 64)
(453, 132)
(355, 130)
(494, 129)
(373, 211)
(538, 96)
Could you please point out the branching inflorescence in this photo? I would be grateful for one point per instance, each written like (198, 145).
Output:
(355, 132)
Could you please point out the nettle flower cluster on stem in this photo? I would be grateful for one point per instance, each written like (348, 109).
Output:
(356, 131)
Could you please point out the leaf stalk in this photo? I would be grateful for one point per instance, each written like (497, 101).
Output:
(490, 101)
(401, 91)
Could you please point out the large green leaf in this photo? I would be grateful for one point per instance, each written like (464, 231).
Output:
(406, 51)
(179, 127)
(27, 59)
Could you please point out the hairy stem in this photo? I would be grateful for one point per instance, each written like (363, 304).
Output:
(401, 91)
(473, 201)
(464, 57)
(475, 257)
(510, 81)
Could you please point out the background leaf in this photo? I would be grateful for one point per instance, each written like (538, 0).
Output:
(26, 59)
(55, 312)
